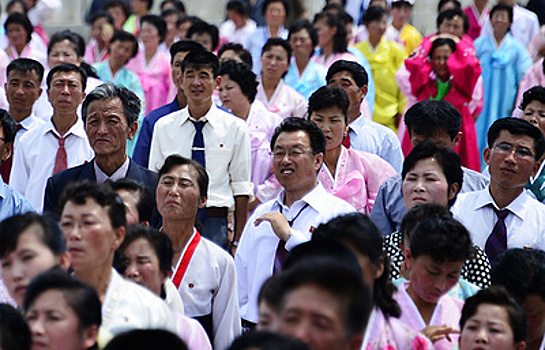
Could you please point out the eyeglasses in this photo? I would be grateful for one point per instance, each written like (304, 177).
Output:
(292, 153)
(520, 152)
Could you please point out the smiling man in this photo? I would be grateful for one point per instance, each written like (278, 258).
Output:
(298, 147)
(503, 215)
(110, 114)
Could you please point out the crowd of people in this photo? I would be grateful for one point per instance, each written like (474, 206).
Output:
(269, 183)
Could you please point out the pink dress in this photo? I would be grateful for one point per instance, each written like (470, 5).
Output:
(447, 311)
(465, 71)
(347, 56)
(92, 53)
(534, 76)
(155, 77)
(285, 101)
(476, 20)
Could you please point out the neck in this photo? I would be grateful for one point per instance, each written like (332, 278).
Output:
(241, 24)
(63, 123)
(150, 52)
(19, 115)
(179, 232)
(301, 62)
(274, 31)
(99, 279)
(269, 85)
(114, 67)
(331, 159)
(197, 111)
(398, 24)
(293, 196)
(499, 37)
(426, 309)
(479, 5)
(109, 164)
(503, 196)
(20, 49)
(373, 40)
(243, 111)
(353, 113)
(327, 51)
(180, 98)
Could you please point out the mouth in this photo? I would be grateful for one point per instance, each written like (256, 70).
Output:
(74, 250)
(508, 170)
(19, 290)
(173, 203)
(419, 200)
(286, 172)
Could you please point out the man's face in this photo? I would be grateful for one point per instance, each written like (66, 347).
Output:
(345, 80)
(22, 90)
(177, 68)
(454, 26)
(107, 129)
(511, 169)
(199, 84)
(296, 172)
(66, 92)
(314, 316)
(440, 138)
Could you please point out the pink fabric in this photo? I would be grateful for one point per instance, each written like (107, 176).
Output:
(465, 71)
(334, 58)
(285, 101)
(192, 333)
(92, 55)
(537, 42)
(475, 20)
(155, 78)
(534, 76)
(357, 178)
(447, 311)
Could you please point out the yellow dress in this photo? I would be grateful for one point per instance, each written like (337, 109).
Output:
(411, 37)
(385, 60)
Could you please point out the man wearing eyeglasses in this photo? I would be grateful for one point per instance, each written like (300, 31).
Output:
(503, 215)
(298, 149)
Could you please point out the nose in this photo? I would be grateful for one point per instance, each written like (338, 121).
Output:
(482, 335)
(17, 271)
(418, 185)
(36, 326)
(73, 233)
(442, 284)
(302, 332)
(132, 272)
(102, 128)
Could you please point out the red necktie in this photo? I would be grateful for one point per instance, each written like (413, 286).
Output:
(346, 141)
(61, 157)
(5, 168)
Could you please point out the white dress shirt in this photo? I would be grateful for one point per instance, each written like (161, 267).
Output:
(256, 251)
(227, 151)
(34, 158)
(209, 287)
(119, 174)
(525, 224)
(27, 124)
(229, 31)
(524, 27)
(129, 306)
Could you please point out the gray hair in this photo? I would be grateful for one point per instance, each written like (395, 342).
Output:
(130, 101)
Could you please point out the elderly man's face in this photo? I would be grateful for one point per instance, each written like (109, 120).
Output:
(107, 128)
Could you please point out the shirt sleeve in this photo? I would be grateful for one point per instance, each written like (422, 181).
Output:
(379, 213)
(156, 156)
(19, 171)
(225, 311)
(239, 168)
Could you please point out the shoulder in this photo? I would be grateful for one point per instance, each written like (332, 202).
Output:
(74, 173)
(217, 254)
(168, 120)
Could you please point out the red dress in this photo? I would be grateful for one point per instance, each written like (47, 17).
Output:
(465, 70)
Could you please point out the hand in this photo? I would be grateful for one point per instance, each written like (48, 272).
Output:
(435, 333)
(279, 224)
(448, 36)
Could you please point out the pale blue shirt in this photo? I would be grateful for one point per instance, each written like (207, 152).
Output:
(12, 202)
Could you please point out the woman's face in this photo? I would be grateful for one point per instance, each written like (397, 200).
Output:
(488, 328)
(55, 326)
(500, 22)
(325, 33)
(275, 15)
(17, 35)
(29, 258)
(63, 52)
(118, 16)
(143, 265)
(231, 95)
(439, 59)
(274, 63)
(535, 114)
(149, 35)
(331, 121)
(427, 183)
(377, 28)
(121, 52)
(301, 44)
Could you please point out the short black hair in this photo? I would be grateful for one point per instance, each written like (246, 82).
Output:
(102, 14)
(497, 295)
(150, 4)
(326, 97)
(13, 227)
(159, 242)
(180, 7)
(242, 74)
(277, 42)
(304, 24)
(123, 36)
(450, 14)
(269, 292)
(184, 45)
(146, 339)
(175, 160)
(201, 60)
(156, 21)
(285, 3)
(428, 117)
(118, 3)
(419, 213)
(14, 330)
(8, 126)
(402, 3)
(442, 239)
(292, 124)
(12, 3)
(502, 7)
(102, 194)
(442, 3)
(21, 19)
(374, 13)
(448, 160)
(355, 69)
(108, 91)
(517, 126)
(333, 20)
(81, 297)
(266, 341)
(203, 27)
(238, 6)
(535, 93)
(26, 65)
(146, 203)
(441, 42)
(77, 41)
(244, 54)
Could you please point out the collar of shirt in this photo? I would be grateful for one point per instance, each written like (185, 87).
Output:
(314, 198)
(358, 123)
(516, 206)
(120, 173)
(211, 117)
(28, 121)
(77, 129)
(3, 188)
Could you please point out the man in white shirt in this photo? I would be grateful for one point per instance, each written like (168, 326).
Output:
(57, 144)
(514, 149)
(364, 134)
(224, 146)
(23, 88)
(298, 148)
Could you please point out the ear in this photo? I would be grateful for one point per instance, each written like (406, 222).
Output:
(408, 258)
(202, 202)
(132, 130)
(453, 190)
(9, 151)
(65, 260)
(89, 336)
(145, 223)
(364, 90)
(40, 92)
(457, 139)
(218, 81)
(378, 270)
(319, 159)
(119, 237)
(520, 345)
(486, 155)
(536, 167)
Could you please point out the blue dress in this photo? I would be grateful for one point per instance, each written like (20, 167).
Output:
(503, 69)
(312, 79)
